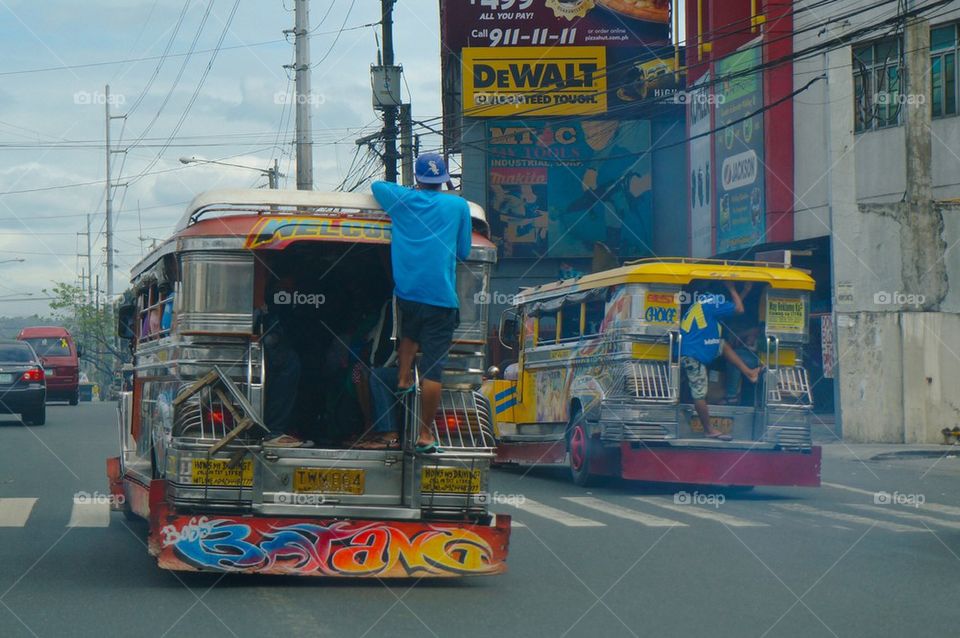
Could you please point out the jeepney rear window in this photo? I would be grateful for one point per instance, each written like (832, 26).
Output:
(547, 328)
(570, 322)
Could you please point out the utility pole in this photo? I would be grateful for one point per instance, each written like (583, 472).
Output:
(273, 173)
(86, 281)
(406, 144)
(302, 97)
(109, 199)
(389, 112)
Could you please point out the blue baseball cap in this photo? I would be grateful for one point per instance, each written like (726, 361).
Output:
(431, 169)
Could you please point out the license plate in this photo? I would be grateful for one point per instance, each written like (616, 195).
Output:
(451, 480)
(48, 372)
(329, 480)
(6, 378)
(215, 472)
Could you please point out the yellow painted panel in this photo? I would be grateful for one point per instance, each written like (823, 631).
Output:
(655, 351)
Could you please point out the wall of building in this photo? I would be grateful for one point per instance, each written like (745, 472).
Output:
(880, 157)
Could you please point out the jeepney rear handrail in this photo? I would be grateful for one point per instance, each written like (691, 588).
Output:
(266, 202)
(710, 262)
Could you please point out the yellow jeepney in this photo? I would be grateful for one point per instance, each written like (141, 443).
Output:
(596, 381)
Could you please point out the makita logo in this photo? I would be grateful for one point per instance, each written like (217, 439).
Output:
(739, 170)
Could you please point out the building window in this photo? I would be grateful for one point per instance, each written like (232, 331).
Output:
(876, 84)
(943, 70)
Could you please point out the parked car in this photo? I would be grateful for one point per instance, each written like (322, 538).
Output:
(23, 388)
(61, 360)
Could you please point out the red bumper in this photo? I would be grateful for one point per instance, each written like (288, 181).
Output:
(721, 467)
(316, 547)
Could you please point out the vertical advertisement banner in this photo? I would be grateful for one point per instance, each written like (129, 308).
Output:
(741, 206)
(557, 188)
(701, 178)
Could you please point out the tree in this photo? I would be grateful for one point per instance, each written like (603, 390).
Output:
(93, 325)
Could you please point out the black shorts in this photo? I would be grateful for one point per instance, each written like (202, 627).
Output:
(432, 327)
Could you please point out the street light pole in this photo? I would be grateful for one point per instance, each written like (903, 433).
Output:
(272, 173)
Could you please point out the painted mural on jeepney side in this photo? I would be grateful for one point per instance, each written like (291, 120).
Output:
(328, 548)
(551, 396)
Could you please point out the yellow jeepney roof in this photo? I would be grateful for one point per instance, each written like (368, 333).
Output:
(677, 271)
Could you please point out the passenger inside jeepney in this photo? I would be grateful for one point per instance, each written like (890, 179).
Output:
(741, 333)
(331, 298)
(701, 344)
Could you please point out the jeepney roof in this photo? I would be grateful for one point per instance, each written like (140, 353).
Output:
(280, 202)
(677, 271)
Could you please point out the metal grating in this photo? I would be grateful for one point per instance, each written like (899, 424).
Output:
(206, 417)
(792, 387)
(650, 381)
(463, 421)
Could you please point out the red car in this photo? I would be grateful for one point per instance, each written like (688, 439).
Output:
(61, 360)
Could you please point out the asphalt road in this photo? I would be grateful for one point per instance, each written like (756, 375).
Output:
(614, 561)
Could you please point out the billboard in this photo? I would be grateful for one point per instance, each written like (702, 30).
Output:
(549, 23)
(701, 182)
(635, 35)
(557, 188)
(741, 206)
(535, 80)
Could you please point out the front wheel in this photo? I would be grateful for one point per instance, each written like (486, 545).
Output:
(579, 452)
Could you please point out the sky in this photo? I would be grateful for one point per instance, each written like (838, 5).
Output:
(52, 117)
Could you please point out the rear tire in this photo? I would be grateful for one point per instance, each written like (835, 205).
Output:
(37, 416)
(579, 451)
(75, 398)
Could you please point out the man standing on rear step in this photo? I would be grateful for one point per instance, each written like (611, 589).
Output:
(700, 344)
(431, 232)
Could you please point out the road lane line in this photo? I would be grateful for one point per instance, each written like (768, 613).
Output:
(623, 512)
(555, 515)
(908, 515)
(700, 512)
(933, 507)
(849, 518)
(87, 514)
(14, 512)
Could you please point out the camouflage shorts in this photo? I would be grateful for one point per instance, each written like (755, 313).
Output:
(697, 377)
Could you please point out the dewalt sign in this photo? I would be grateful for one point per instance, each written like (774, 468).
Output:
(535, 81)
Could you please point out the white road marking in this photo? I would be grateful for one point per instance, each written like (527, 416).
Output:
(623, 512)
(85, 514)
(700, 512)
(555, 515)
(14, 512)
(516, 523)
(933, 507)
(908, 515)
(848, 518)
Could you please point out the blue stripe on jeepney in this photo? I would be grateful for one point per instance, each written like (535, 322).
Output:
(506, 405)
(505, 393)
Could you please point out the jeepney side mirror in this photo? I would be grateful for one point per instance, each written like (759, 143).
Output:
(79, 350)
(125, 321)
(509, 330)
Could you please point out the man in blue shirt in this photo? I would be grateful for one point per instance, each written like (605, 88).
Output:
(431, 232)
(701, 344)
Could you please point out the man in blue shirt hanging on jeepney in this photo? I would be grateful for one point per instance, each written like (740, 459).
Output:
(431, 233)
(701, 344)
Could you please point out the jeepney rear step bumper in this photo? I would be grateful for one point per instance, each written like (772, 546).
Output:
(712, 465)
(327, 547)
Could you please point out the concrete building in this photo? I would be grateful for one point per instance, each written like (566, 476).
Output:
(873, 143)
